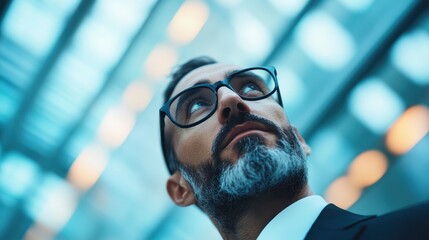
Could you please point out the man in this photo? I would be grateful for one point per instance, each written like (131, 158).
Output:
(231, 150)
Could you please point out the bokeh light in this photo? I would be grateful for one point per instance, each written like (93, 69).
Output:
(188, 21)
(367, 168)
(88, 167)
(408, 130)
(343, 193)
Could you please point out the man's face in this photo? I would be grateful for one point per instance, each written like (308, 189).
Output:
(244, 150)
(193, 146)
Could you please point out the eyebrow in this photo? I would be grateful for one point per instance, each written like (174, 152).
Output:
(231, 72)
(200, 82)
(248, 74)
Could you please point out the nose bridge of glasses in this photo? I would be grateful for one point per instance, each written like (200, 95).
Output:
(222, 83)
(221, 93)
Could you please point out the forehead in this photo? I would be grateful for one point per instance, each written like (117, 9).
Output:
(211, 72)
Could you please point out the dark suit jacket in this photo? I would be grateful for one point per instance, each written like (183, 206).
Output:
(336, 223)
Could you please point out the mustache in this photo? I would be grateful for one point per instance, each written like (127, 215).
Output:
(239, 119)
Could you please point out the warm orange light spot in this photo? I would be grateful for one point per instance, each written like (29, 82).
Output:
(188, 21)
(137, 96)
(342, 192)
(39, 232)
(408, 130)
(160, 61)
(116, 126)
(88, 167)
(367, 168)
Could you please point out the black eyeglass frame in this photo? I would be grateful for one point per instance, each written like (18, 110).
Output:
(214, 87)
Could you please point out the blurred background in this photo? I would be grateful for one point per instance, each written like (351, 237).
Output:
(81, 83)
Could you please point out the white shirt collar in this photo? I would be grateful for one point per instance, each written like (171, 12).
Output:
(295, 221)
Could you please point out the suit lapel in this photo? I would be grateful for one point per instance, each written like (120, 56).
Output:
(336, 223)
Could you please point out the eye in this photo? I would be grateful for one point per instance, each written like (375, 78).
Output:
(193, 105)
(251, 89)
(196, 105)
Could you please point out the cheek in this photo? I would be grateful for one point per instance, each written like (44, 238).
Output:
(272, 112)
(281, 119)
(192, 147)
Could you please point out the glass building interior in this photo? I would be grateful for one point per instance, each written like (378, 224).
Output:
(81, 83)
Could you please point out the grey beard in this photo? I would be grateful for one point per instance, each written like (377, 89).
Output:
(223, 190)
(260, 168)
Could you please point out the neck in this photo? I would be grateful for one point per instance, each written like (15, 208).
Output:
(258, 213)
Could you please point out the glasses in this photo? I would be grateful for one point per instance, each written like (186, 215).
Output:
(196, 104)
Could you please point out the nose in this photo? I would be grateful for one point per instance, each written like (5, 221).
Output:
(229, 104)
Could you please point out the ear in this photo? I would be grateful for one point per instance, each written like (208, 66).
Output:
(179, 190)
(306, 148)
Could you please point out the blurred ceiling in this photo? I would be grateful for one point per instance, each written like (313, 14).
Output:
(81, 83)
